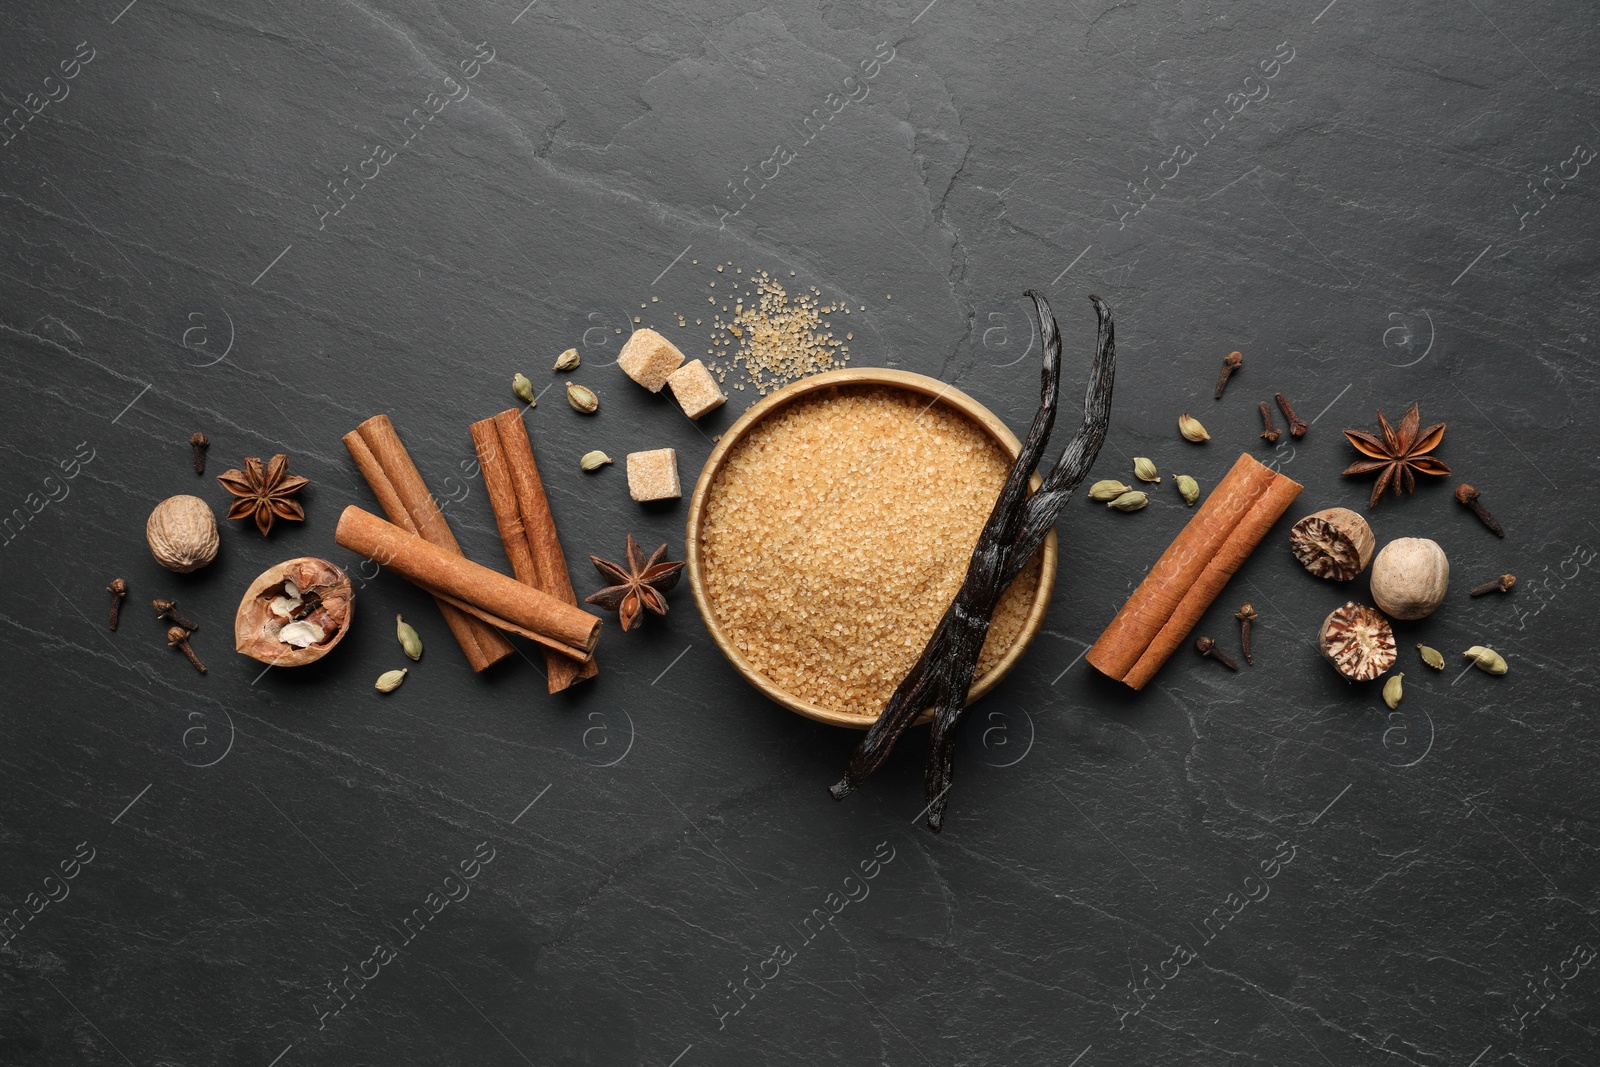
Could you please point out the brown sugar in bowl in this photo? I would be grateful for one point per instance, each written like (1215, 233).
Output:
(1033, 587)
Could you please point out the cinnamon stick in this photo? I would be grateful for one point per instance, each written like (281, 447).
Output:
(1192, 572)
(404, 497)
(527, 528)
(488, 595)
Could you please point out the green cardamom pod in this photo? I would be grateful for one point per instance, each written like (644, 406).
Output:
(1145, 469)
(568, 360)
(1486, 659)
(1190, 428)
(593, 461)
(1392, 691)
(1432, 657)
(524, 389)
(410, 643)
(1130, 501)
(1108, 490)
(1188, 488)
(582, 399)
(389, 681)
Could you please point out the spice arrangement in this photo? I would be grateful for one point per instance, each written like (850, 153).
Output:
(862, 549)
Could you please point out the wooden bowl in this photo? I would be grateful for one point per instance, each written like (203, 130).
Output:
(932, 388)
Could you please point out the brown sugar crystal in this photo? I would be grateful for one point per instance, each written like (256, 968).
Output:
(654, 475)
(648, 358)
(838, 532)
(695, 389)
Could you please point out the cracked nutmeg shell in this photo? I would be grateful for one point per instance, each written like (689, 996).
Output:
(1358, 641)
(294, 613)
(1333, 543)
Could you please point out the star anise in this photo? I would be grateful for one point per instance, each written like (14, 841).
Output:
(642, 584)
(264, 492)
(1397, 453)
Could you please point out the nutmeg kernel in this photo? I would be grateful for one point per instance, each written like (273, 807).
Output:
(1334, 543)
(1410, 577)
(1358, 641)
(182, 533)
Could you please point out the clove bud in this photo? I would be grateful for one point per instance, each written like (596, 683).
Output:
(118, 589)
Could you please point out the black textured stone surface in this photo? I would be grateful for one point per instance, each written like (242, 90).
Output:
(1261, 868)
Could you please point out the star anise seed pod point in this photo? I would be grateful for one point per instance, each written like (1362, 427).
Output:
(264, 492)
(1397, 454)
(642, 583)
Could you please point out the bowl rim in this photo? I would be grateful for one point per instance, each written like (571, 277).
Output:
(910, 381)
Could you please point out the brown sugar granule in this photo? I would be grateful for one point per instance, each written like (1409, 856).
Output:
(778, 338)
(837, 533)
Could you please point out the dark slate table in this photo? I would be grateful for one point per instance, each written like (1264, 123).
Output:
(271, 220)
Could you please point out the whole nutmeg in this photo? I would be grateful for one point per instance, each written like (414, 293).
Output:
(294, 613)
(1409, 577)
(182, 532)
(1333, 543)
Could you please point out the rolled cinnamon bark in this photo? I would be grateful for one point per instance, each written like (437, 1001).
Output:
(527, 528)
(488, 595)
(404, 497)
(1192, 572)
